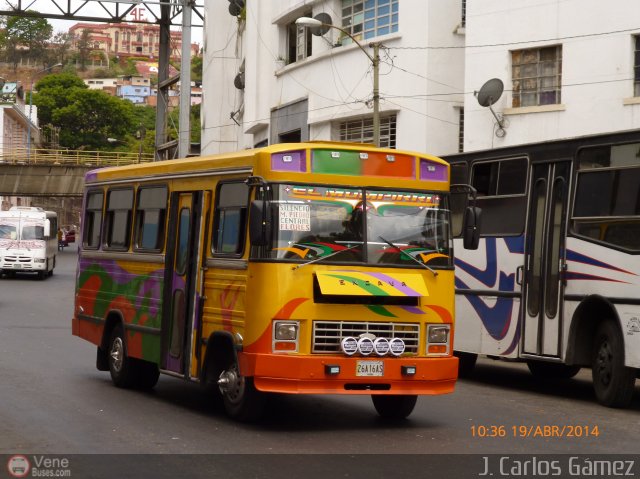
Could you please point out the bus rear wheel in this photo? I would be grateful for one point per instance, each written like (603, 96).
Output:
(613, 382)
(242, 400)
(394, 406)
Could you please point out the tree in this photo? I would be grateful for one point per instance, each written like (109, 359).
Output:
(91, 117)
(196, 68)
(53, 91)
(31, 32)
(60, 45)
(86, 118)
(84, 47)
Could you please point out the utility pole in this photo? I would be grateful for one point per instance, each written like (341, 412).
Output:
(376, 92)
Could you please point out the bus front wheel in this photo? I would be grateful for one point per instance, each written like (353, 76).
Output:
(546, 370)
(613, 382)
(394, 406)
(242, 400)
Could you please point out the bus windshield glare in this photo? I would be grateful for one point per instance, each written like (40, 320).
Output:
(355, 225)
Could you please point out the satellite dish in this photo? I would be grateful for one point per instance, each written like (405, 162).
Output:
(490, 92)
(235, 7)
(488, 95)
(238, 81)
(322, 29)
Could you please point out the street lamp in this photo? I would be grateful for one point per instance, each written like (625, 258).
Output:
(375, 60)
(31, 106)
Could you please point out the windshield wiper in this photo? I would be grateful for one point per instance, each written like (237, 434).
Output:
(435, 273)
(325, 257)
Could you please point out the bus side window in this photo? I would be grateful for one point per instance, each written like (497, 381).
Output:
(118, 219)
(93, 219)
(151, 209)
(230, 218)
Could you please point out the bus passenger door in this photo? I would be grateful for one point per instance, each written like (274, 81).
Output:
(545, 259)
(181, 281)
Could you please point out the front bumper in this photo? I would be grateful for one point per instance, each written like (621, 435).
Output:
(294, 374)
(25, 266)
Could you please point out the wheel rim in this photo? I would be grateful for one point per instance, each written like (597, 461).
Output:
(232, 385)
(117, 354)
(604, 362)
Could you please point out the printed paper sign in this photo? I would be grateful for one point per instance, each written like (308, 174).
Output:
(295, 217)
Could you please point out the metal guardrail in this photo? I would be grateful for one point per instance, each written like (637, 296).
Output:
(40, 156)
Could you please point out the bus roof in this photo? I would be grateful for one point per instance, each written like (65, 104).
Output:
(361, 163)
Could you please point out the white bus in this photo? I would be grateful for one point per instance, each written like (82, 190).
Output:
(28, 241)
(556, 279)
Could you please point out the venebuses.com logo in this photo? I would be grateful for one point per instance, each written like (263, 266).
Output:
(18, 466)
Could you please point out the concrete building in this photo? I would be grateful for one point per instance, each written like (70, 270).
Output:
(267, 80)
(128, 39)
(106, 84)
(14, 125)
(568, 68)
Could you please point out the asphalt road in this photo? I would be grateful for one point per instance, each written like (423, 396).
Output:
(54, 401)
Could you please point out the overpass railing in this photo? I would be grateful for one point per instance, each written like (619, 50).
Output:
(64, 157)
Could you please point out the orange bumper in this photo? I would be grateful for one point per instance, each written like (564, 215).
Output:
(308, 374)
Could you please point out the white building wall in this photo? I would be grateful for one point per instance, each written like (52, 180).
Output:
(422, 84)
(597, 67)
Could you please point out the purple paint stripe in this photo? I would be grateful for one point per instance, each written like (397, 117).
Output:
(413, 309)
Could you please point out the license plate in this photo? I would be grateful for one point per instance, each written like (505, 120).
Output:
(370, 368)
(15, 266)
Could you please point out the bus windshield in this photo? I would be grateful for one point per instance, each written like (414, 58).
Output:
(356, 225)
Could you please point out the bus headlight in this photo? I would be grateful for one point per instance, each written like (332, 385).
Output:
(438, 336)
(38, 260)
(285, 331)
(285, 336)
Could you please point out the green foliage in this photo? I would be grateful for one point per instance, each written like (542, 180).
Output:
(53, 91)
(196, 69)
(32, 32)
(146, 116)
(86, 118)
(91, 117)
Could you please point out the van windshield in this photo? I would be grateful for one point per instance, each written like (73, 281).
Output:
(21, 229)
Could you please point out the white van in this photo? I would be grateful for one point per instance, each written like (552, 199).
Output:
(28, 241)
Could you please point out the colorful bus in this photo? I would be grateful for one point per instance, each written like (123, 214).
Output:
(556, 279)
(306, 268)
(28, 241)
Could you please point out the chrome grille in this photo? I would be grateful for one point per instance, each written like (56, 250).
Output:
(17, 259)
(327, 335)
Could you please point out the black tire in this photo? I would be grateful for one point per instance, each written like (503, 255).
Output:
(147, 374)
(612, 381)
(121, 368)
(394, 406)
(546, 370)
(242, 401)
(466, 363)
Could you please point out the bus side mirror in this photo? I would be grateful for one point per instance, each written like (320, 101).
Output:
(47, 228)
(471, 227)
(260, 223)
